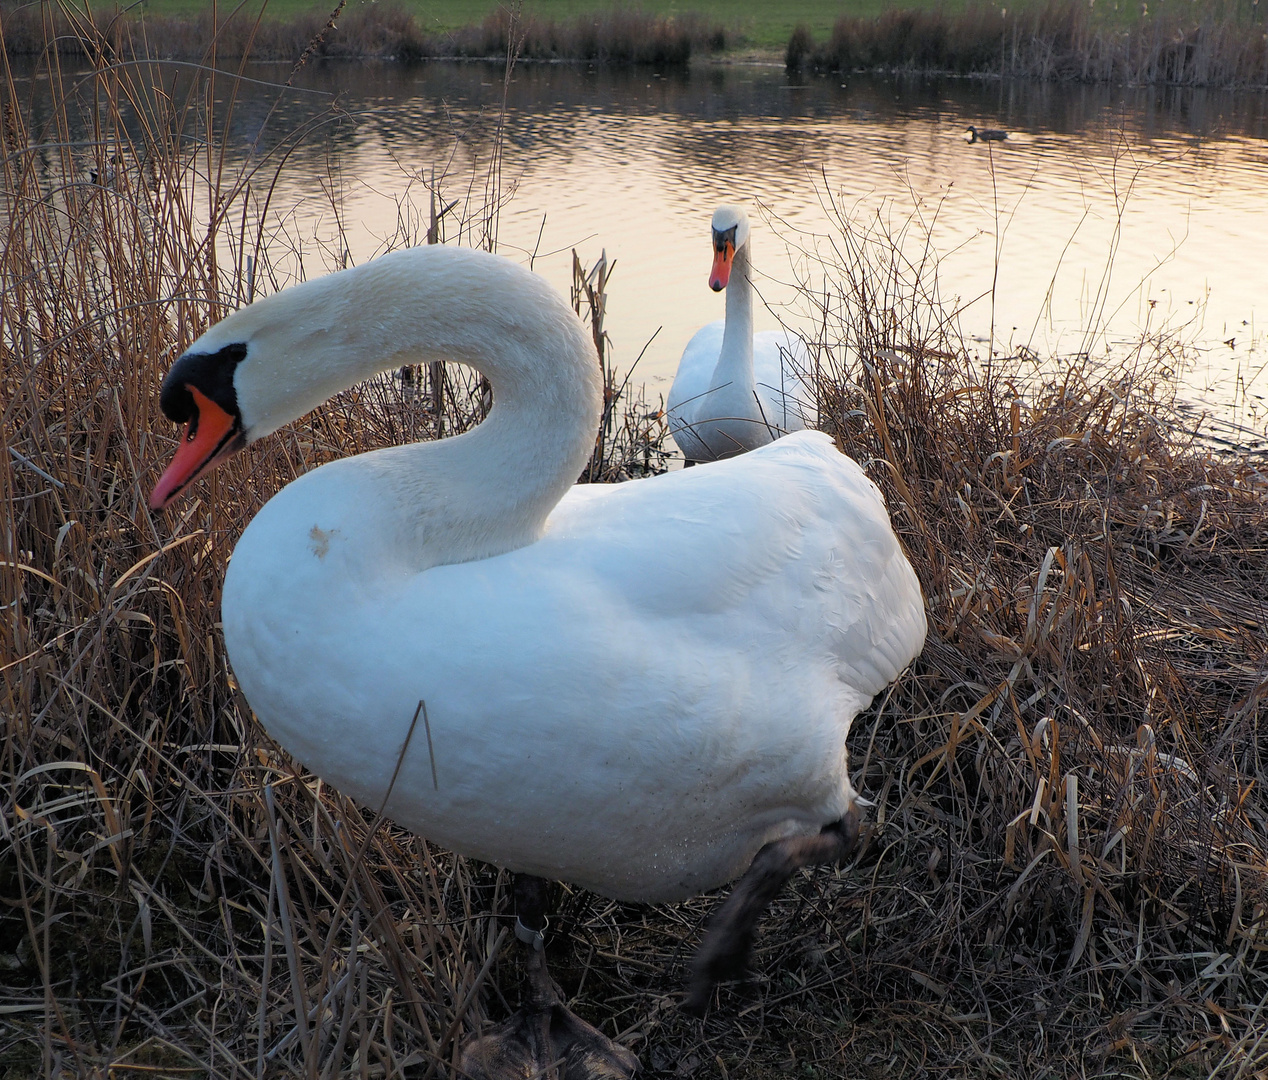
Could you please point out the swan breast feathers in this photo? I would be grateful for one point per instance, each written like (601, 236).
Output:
(736, 390)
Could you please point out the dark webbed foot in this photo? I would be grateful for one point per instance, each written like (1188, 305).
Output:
(544, 1039)
(727, 943)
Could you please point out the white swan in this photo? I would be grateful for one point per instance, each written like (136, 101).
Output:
(736, 390)
(631, 687)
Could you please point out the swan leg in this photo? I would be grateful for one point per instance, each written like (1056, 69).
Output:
(725, 950)
(544, 1039)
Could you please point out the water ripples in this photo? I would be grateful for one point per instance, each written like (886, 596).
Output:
(1121, 208)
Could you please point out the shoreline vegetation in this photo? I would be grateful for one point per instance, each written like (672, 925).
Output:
(1064, 869)
(1219, 44)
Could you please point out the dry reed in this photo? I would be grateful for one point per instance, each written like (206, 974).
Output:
(1217, 45)
(1069, 831)
(177, 898)
(1065, 867)
(379, 31)
(1222, 44)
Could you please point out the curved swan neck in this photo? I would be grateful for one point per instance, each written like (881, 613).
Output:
(735, 360)
(471, 496)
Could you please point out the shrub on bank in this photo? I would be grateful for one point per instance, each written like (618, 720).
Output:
(379, 31)
(1059, 40)
(799, 46)
(618, 36)
(1062, 40)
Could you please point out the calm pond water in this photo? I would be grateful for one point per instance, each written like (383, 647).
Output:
(1107, 209)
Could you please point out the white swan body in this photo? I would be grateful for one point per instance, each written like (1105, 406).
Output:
(631, 688)
(736, 390)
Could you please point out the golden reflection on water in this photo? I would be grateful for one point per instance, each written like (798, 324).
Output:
(1107, 212)
(1106, 209)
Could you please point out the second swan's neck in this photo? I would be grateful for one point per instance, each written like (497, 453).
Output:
(735, 360)
(472, 496)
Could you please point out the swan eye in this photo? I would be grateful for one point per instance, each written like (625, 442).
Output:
(722, 237)
(212, 373)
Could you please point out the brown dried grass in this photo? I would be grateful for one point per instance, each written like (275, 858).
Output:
(1069, 786)
(618, 35)
(176, 897)
(1212, 44)
(1064, 872)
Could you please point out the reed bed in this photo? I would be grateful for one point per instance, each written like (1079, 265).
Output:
(1069, 832)
(1213, 45)
(176, 897)
(1063, 873)
(1220, 43)
(617, 35)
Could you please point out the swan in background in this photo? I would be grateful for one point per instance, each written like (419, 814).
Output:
(736, 390)
(972, 134)
(642, 688)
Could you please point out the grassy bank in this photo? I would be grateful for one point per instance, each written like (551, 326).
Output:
(1220, 44)
(755, 23)
(615, 35)
(1065, 872)
(1217, 45)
